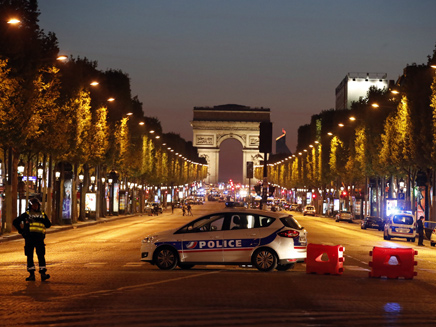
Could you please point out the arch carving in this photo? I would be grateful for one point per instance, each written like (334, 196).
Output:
(213, 125)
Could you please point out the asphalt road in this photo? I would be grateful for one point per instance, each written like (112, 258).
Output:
(98, 280)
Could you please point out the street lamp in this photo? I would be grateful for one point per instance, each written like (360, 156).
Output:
(93, 181)
(81, 178)
(40, 171)
(20, 167)
(20, 170)
(14, 21)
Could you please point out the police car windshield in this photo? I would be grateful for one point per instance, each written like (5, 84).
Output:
(290, 222)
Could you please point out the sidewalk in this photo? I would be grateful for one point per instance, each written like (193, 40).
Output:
(58, 228)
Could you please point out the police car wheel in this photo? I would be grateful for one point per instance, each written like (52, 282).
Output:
(166, 258)
(265, 260)
(185, 266)
(285, 266)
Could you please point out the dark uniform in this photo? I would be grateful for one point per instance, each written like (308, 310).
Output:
(420, 229)
(31, 225)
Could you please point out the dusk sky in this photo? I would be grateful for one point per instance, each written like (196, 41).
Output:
(287, 55)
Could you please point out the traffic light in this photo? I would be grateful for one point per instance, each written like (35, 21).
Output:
(265, 138)
(314, 196)
(344, 194)
(250, 169)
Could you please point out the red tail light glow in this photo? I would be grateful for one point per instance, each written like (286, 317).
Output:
(289, 233)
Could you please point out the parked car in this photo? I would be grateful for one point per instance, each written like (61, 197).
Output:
(433, 237)
(372, 222)
(401, 225)
(309, 210)
(294, 207)
(344, 215)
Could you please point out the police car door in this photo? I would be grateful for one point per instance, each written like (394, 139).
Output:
(203, 243)
(241, 237)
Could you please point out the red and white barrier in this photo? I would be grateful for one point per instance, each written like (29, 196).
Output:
(325, 259)
(393, 262)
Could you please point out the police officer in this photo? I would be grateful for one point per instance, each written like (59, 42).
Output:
(420, 229)
(31, 225)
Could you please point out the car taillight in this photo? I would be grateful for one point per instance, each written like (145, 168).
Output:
(289, 233)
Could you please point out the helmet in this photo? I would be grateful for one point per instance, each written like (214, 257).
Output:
(34, 201)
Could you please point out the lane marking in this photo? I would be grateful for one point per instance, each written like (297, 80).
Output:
(126, 288)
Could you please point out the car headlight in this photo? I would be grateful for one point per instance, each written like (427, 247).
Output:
(149, 239)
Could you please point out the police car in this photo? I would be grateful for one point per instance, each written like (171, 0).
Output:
(401, 225)
(236, 236)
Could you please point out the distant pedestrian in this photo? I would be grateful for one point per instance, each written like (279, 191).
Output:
(420, 229)
(189, 210)
(32, 225)
(172, 207)
(183, 209)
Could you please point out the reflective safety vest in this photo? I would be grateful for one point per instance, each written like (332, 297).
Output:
(35, 224)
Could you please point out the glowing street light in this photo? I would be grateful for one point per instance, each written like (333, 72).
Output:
(61, 58)
(14, 21)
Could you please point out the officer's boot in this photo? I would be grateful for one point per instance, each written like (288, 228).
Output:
(31, 277)
(44, 276)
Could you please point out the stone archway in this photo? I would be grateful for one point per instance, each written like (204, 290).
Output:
(213, 125)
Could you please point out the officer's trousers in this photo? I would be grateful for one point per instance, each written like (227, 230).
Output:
(30, 245)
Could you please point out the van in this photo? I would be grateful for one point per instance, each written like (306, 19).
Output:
(400, 225)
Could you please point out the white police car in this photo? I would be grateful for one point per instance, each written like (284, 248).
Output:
(401, 225)
(264, 239)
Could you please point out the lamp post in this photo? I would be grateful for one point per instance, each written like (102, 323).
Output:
(81, 178)
(40, 171)
(103, 197)
(20, 169)
(93, 182)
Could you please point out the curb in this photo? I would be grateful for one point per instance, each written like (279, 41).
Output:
(59, 228)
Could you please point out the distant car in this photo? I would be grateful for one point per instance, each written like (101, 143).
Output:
(344, 215)
(154, 208)
(237, 236)
(199, 201)
(309, 210)
(372, 222)
(286, 206)
(400, 225)
(232, 204)
(294, 207)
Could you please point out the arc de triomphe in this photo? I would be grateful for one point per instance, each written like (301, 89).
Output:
(213, 125)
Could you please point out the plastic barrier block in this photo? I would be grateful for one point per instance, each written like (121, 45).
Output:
(325, 259)
(393, 262)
